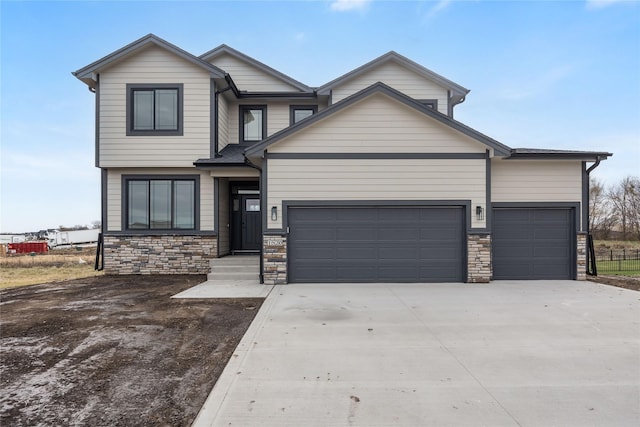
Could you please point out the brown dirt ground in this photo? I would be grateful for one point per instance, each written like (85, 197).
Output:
(113, 351)
(626, 282)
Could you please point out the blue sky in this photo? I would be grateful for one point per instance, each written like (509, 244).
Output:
(542, 74)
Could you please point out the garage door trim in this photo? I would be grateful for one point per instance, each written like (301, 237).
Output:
(286, 204)
(576, 217)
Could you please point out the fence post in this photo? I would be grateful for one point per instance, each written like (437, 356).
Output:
(610, 254)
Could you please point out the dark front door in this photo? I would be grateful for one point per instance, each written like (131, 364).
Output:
(251, 233)
(246, 224)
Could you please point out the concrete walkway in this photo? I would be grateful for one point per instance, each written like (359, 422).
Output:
(531, 353)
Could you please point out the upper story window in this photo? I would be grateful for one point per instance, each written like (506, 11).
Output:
(253, 123)
(164, 203)
(154, 109)
(299, 112)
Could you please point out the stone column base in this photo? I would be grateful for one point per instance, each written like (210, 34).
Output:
(274, 260)
(479, 269)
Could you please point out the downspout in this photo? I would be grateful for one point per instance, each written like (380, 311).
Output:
(590, 254)
(588, 171)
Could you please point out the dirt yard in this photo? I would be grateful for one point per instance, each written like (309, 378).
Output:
(113, 351)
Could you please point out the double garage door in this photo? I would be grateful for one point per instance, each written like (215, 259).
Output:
(424, 244)
(376, 244)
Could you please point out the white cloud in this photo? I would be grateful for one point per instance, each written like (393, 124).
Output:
(439, 7)
(601, 4)
(348, 5)
(299, 37)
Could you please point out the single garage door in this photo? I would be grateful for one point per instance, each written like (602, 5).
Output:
(376, 244)
(534, 243)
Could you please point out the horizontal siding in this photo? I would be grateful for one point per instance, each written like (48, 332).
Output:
(153, 65)
(277, 117)
(346, 179)
(536, 181)
(399, 78)
(378, 124)
(249, 78)
(223, 122)
(114, 194)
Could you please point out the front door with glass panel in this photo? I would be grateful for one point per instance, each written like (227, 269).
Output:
(246, 225)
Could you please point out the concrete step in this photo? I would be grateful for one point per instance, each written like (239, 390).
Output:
(247, 275)
(233, 268)
(244, 260)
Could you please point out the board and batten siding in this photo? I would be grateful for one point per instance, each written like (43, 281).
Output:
(378, 124)
(399, 78)
(249, 78)
(114, 194)
(536, 181)
(154, 65)
(375, 179)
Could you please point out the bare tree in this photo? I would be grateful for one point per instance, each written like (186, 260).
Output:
(624, 201)
(601, 218)
(96, 224)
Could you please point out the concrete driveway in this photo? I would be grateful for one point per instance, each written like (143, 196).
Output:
(536, 353)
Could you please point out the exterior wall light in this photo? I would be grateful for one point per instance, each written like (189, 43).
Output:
(274, 213)
(479, 213)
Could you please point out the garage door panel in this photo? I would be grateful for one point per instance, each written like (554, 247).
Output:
(533, 243)
(355, 252)
(377, 244)
(400, 234)
(408, 253)
(351, 234)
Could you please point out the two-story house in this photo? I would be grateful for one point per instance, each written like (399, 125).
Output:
(366, 178)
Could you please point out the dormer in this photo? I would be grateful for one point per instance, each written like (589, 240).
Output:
(410, 78)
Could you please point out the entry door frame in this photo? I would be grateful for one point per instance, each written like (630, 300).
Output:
(243, 221)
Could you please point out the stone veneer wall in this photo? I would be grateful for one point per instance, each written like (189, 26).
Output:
(581, 256)
(274, 260)
(479, 268)
(159, 254)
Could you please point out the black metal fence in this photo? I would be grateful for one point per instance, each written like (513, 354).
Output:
(618, 261)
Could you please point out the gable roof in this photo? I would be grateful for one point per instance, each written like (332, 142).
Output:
(457, 92)
(499, 149)
(86, 73)
(224, 49)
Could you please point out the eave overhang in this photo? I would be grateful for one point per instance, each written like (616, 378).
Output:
(535, 153)
(458, 92)
(224, 49)
(88, 73)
